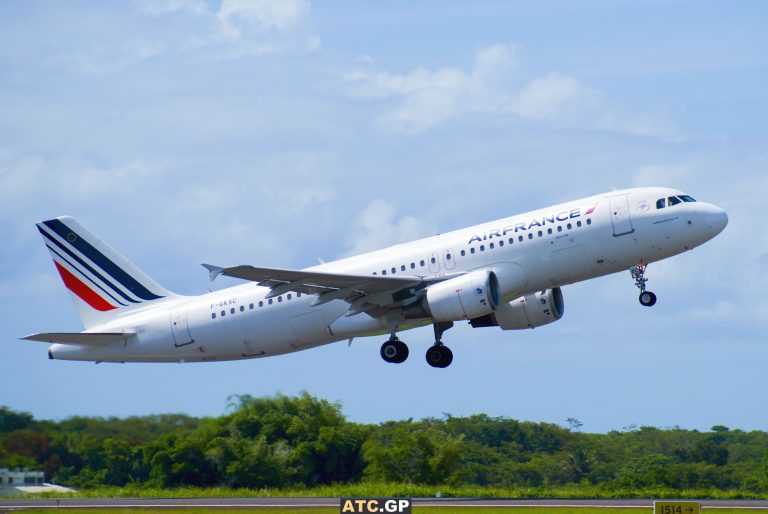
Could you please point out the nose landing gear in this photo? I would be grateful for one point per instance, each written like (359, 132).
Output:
(647, 298)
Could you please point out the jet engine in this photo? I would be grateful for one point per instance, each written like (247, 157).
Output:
(469, 296)
(529, 311)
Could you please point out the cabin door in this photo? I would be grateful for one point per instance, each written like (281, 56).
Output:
(622, 223)
(180, 327)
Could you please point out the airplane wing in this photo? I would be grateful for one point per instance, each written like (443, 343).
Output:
(84, 338)
(362, 291)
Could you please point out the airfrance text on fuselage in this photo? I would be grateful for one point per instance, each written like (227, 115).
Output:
(553, 219)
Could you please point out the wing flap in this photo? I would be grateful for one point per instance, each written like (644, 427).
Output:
(81, 338)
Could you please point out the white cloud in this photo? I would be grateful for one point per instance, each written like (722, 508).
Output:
(239, 28)
(161, 7)
(377, 227)
(430, 98)
(282, 15)
(495, 85)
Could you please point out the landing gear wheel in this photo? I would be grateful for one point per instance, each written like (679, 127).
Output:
(394, 351)
(647, 298)
(439, 356)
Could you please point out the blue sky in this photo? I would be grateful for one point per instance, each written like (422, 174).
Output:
(235, 132)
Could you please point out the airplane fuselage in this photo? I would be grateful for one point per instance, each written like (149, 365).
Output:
(530, 252)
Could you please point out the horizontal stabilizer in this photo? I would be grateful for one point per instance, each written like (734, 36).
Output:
(82, 338)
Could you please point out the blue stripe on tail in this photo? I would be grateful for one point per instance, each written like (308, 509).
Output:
(101, 260)
(86, 266)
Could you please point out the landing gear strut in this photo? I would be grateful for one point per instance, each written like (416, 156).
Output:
(394, 350)
(646, 298)
(439, 355)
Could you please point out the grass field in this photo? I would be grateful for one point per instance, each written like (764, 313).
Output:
(405, 490)
(425, 510)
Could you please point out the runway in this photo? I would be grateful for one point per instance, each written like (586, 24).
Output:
(303, 503)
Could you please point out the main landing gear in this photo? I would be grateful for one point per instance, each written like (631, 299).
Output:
(438, 355)
(394, 351)
(646, 298)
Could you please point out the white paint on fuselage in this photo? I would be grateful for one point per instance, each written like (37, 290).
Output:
(289, 323)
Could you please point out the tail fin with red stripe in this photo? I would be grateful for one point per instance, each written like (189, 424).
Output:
(104, 285)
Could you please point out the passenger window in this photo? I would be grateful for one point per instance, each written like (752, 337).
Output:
(491, 246)
(501, 243)
(559, 228)
(447, 256)
(530, 235)
(269, 301)
(298, 295)
(578, 223)
(261, 304)
(673, 200)
(463, 253)
(482, 248)
(393, 270)
(661, 203)
(383, 272)
(421, 263)
(589, 221)
(432, 260)
(686, 198)
(549, 231)
(289, 296)
(232, 310)
(520, 238)
(569, 226)
(279, 299)
(213, 315)
(471, 250)
(223, 313)
(242, 308)
(413, 265)
(540, 233)
(250, 306)
(511, 240)
(402, 268)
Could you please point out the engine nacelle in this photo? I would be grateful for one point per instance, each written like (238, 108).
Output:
(468, 296)
(529, 311)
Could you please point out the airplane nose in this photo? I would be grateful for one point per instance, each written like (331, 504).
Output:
(715, 218)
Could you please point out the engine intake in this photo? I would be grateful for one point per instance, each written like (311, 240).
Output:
(529, 311)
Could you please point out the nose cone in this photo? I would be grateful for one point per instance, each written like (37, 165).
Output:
(715, 219)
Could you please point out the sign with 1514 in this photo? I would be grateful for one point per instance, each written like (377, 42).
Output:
(672, 507)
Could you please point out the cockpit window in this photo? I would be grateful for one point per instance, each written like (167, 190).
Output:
(673, 200)
(686, 198)
(661, 203)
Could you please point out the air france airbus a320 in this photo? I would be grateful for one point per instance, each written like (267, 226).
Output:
(506, 273)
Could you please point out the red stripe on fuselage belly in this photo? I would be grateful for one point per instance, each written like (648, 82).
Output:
(75, 285)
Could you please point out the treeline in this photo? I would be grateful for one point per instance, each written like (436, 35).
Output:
(305, 441)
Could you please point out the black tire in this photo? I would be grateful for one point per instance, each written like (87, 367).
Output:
(402, 352)
(647, 298)
(447, 357)
(439, 356)
(394, 351)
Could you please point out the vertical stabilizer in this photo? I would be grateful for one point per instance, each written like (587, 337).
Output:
(104, 285)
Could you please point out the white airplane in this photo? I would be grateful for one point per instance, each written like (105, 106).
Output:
(506, 273)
